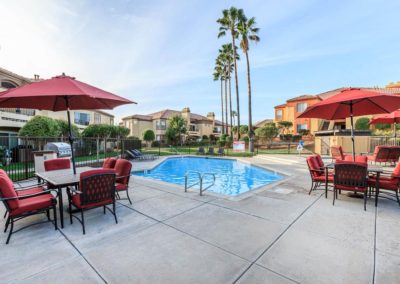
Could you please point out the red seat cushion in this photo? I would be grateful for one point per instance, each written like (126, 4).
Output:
(350, 188)
(76, 200)
(33, 203)
(388, 183)
(7, 190)
(120, 187)
(396, 171)
(322, 178)
(57, 164)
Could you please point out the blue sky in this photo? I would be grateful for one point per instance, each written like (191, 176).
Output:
(161, 53)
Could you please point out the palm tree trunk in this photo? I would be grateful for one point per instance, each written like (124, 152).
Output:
(230, 102)
(236, 84)
(251, 142)
(226, 105)
(222, 108)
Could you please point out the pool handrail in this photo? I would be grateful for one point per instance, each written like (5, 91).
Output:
(201, 177)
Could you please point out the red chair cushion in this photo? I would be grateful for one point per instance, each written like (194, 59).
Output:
(358, 159)
(29, 191)
(109, 163)
(319, 161)
(396, 171)
(76, 200)
(57, 164)
(322, 178)
(7, 190)
(350, 188)
(33, 203)
(385, 183)
(120, 187)
(123, 169)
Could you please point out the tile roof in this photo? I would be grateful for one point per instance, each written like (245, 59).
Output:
(302, 97)
(166, 114)
(280, 106)
(263, 122)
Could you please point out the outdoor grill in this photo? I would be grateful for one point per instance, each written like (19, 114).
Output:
(62, 149)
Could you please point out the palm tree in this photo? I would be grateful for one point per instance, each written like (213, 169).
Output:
(228, 23)
(219, 75)
(228, 56)
(248, 32)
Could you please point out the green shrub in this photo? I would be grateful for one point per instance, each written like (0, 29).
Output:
(362, 123)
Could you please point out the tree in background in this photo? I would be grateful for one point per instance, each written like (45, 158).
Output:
(64, 128)
(219, 75)
(149, 136)
(267, 133)
(40, 126)
(362, 123)
(285, 125)
(97, 131)
(243, 129)
(229, 23)
(248, 32)
(119, 132)
(176, 128)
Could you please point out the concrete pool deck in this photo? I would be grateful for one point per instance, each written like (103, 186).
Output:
(279, 235)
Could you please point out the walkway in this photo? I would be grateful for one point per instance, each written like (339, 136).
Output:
(280, 235)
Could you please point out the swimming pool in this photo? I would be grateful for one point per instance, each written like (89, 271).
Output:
(232, 176)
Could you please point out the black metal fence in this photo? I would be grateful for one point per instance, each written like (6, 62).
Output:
(17, 153)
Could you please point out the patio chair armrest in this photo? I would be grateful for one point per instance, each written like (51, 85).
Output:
(30, 195)
(20, 188)
(74, 190)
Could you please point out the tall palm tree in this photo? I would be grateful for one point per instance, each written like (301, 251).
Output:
(248, 32)
(219, 76)
(228, 23)
(227, 56)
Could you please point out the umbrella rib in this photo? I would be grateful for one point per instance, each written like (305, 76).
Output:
(385, 110)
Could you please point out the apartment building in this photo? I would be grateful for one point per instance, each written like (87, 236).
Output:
(197, 125)
(295, 106)
(12, 119)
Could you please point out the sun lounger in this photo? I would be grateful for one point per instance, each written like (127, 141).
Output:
(221, 151)
(210, 151)
(201, 151)
(143, 156)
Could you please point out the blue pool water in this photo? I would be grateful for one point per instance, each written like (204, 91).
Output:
(232, 177)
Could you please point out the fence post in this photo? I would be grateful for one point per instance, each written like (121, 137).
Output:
(288, 148)
(25, 150)
(159, 149)
(98, 150)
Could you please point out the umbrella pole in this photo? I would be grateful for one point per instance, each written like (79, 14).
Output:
(71, 140)
(352, 131)
(395, 134)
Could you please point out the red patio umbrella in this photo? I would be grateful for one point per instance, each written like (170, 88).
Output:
(60, 93)
(353, 102)
(391, 118)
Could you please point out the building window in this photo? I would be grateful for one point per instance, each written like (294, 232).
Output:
(193, 128)
(300, 107)
(301, 126)
(8, 85)
(97, 118)
(278, 114)
(82, 118)
(161, 125)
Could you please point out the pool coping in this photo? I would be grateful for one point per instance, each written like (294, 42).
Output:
(285, 177)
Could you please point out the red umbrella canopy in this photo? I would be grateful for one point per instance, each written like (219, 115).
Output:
(52, 94)
(353, 101)
(390, 118)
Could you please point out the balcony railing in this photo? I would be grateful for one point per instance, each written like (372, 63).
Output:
(161, 127)
(30, 112)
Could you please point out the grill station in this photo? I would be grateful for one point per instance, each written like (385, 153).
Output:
(62, 149)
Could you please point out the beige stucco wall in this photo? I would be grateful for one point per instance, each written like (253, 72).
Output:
(104, 119)
(362, 143)
(138, 127)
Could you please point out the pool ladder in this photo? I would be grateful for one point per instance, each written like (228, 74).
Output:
(201, 178)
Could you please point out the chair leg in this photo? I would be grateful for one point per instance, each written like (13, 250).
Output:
(115, 214)
(397, 197)
(70, 210)
(129, 199)
(55, 217)
(5, 214)
(83, 222)
(104, 210)
(11, 230)
(365, 201)
(7, 223)
(312, 186)
(334, 195)
(48, 214)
